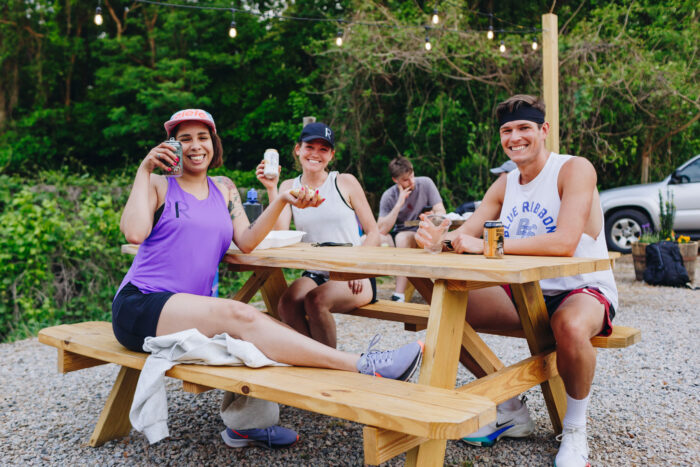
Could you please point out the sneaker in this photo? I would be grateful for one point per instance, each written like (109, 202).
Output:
(273, 437)
(509, 423)
(397, 298)
(393, 364)
(573, 451)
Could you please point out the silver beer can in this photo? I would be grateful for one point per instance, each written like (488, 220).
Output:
(272, 162)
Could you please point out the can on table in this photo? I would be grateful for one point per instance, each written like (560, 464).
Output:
(272, 160)
(177, 168)
(493, 239)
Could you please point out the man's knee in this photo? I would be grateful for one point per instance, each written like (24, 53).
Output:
(406, 240)
(569, 329)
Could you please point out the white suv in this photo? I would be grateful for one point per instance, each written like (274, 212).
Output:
(628, 208)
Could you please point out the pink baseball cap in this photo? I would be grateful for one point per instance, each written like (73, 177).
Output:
(189, 115)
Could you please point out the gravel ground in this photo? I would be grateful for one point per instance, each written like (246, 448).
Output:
(644, 409)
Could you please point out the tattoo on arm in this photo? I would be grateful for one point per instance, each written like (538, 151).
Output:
(225, 181)
(251, 224)
(235, 208)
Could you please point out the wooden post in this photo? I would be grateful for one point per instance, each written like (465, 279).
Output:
(550, 77)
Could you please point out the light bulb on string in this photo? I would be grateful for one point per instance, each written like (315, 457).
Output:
(534, 43)
(502, 47)
(489, 35)
(232, 31)
(428, 45)
(98, 16)
(339, 38)
(436, 17)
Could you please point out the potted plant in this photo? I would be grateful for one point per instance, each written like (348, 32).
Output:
(689, 252)
(639, 254)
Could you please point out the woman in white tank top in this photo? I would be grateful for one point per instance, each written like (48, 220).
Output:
(308, 304)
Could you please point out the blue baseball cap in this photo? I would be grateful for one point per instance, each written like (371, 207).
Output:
(317, 130)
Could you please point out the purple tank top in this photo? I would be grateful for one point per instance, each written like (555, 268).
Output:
(183, 251)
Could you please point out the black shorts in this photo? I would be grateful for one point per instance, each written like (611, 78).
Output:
(321, 279)
(135, 315)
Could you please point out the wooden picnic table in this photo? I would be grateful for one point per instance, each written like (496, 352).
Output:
(444, 280)
(399, 417)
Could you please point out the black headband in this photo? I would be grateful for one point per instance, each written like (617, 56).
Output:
(524, 112)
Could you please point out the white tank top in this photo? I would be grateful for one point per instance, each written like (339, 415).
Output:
(532, 209)
(332, 221)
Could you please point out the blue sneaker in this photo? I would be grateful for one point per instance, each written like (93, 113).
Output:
(393, 364)
(273, 437)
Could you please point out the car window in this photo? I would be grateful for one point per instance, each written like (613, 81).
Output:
(692, 172)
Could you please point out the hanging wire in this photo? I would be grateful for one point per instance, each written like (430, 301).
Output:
(232, 29)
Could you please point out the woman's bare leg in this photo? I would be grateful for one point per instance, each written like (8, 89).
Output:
(332, 297)
(291, 305)
(213, 316)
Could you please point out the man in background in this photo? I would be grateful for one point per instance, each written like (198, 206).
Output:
(403, 202)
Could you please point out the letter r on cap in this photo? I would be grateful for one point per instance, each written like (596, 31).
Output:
(328, 132)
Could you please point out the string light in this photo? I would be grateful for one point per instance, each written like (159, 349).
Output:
(502, 47)
(435, 19)
(339, 38)
(98, 15)
(232, 31)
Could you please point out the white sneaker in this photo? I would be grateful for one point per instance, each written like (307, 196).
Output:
(573, 451)
(509, 423)
(397, 298)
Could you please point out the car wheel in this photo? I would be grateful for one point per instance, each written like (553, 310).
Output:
(624, 227)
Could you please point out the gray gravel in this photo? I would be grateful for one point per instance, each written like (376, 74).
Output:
(644, 409)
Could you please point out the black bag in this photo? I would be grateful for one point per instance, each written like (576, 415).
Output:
(665, 265)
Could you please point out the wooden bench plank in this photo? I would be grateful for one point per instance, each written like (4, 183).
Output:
(419, 410)
(417, 314)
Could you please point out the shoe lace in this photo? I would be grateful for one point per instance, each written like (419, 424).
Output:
(269, 431)
(575, 437)
(376, 358)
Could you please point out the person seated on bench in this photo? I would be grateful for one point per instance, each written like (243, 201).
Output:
(185, 226)
(549, 206)
(401, 203)
(307, 305)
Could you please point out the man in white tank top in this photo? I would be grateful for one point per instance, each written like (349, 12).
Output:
(549, 206)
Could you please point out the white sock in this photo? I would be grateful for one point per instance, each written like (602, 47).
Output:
(511, 404)
(400, 295)
(576, 412)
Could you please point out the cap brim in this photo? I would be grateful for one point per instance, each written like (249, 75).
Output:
(497, 170)
(309, 138)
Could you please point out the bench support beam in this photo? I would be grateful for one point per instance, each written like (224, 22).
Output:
(69, 361)
(114, 420)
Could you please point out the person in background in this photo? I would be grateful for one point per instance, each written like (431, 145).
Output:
(549, 206)
(405, 201)
(184, 226)
(309, 303)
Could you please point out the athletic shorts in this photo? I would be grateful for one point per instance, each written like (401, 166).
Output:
(553, 302)
(321, 279)
(135, 315)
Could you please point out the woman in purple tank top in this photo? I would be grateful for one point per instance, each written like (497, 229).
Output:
(184, 227)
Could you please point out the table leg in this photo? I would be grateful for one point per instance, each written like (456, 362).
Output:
(535, 321)
(272, 290)
(114, 420)
(443, 342)
(252, 285)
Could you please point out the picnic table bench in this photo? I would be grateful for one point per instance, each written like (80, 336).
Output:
(399, 416)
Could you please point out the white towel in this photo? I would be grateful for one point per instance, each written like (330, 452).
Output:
(149, 410)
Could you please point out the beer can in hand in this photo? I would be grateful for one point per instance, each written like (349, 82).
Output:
(493, 239)
(177, 168)
(272, 161)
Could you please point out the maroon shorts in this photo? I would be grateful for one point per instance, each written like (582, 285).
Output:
(553, 302)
